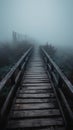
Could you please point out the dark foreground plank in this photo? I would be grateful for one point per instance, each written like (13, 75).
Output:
(35, 113)
(35, 122)
(34, 106)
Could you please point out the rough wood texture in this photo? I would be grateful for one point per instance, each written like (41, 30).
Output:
(35, 106)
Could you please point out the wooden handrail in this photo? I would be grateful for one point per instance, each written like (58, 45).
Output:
(12, 80)
(60, 83)
(63, 77)
(13, 69)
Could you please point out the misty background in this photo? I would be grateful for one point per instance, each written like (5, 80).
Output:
(45, 22)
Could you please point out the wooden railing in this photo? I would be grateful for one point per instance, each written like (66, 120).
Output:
(63, 87)
(9, 84)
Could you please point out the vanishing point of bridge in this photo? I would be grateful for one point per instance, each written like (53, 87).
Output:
(39, 97)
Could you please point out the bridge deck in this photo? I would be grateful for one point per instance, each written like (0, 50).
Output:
(35, 105)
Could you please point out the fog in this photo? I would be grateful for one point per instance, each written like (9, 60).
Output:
(44, 20)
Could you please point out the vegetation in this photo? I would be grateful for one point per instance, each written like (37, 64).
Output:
(51, 50)
(10, 54)
(63, 58)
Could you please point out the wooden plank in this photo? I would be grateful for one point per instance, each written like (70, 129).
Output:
(35, 113)
(36, 69)
(35, 122)
(34, 106)
(27, 91)
(43, 84)
(31, 87)
(19, 101)
(38, 66)
(44, 95)
(40, 128)
(34, 82)
(37, 84)
(34, 76)
(37, 73)
(53, 128)
(42, 75)
(40, 71)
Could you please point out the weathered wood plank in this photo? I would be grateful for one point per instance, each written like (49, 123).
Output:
(35, 113)
(35, 122)
(37, 85)
(31, 87)
(35, 106)
(35, 82)
(35, 77)
(40, 91)
(44, 95)
(35, 100)
(52, 128)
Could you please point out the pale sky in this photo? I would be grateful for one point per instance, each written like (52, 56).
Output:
(43, 20)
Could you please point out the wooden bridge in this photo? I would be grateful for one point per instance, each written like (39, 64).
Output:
(39, 96)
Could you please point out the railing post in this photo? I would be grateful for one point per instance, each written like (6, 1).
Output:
(52, 68)
(47, 62)
(60, 82)
(13, 79)
(20, 67)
